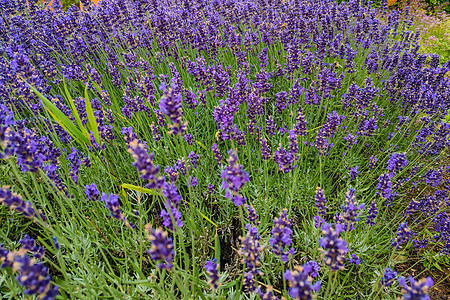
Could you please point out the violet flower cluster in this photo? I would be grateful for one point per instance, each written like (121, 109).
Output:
(280, 239)
(234, 177)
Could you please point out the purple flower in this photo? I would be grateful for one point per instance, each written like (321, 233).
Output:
(388, 277)
(333, 247)
(234, 177)
(211, 188)
(300, 125)
(15, 202)
(213, 271)
(418, 289)
(142, 160)
(384, 187)
(354, 259)
(263, 58)
(403, 235)
(293, 144)
(250, 252)
(188, 138)
(265, 150)
(354, 173)
(29, 244)
(320, 201)
(161, 249)
(372, 214)
(268, 295)
(170, 105)
(55, 242)
(281, 236)
(300, 283)
(193, 157)
(315, 268)
(92, 192)
(193, 182)
(372, 161)
(253, 216)
(397, 162)
(284, 159)
(350, 211)
(216, 152)
(32, 275)
(271, 128)
(173, 198)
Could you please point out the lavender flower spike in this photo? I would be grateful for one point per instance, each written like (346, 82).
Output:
(213, 272)
(300, 283)
(234, 177)
(333, 247)
(161, 249)
(281, 236)
(418, 289)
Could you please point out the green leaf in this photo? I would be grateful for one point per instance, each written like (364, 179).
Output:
(140, 189)
(217, 246)
(90, 115)
(436, 264)
(75, 111)
(60, 117)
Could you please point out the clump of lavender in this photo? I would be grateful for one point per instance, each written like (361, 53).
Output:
(193, 157)
(320, 202)
(250, 252)
(284, 159)
(350, 211)
(372, 214)
(161, 249)
(354, 259)
(396, 163)
(173, 198)
(404, 234)
(170, 105)
(33, 275)
(112, 203)
(193, 182)
(384, 187)
(268, 295)
(388, 277)
(217, 155)
(354, 172)
(92, 192)
(333, 247)
(253, 216)
(211, 188)
(301, 283)
(28, 243)
(142, 160)
(15, 202)
(372, 161)
(265, 150)
(418, 289)
(234, 177)
(212, 270)
(281, 236)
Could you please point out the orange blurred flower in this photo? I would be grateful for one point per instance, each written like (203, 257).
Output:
(391, 2)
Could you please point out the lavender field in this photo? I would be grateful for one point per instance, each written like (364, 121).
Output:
(224, 149)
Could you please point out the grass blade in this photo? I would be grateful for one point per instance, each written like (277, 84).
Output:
(60, 117)
(75, 111)
(90, 115)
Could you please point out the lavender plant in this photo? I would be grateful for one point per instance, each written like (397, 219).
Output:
(142, 100)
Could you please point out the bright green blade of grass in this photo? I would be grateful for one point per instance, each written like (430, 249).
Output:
(60, 117)
(90, 115)
(140, 189)
(75, 111)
